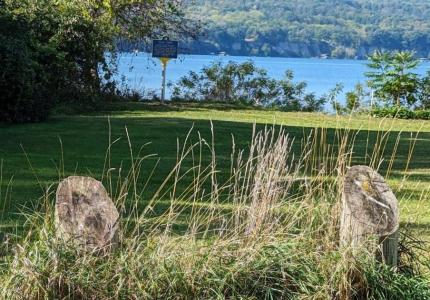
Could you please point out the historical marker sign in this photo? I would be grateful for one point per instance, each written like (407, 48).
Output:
(165, 49)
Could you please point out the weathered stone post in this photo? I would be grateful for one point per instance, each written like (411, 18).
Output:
(85, 215)
(369, 210)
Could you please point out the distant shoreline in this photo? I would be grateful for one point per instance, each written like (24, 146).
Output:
(260, 56)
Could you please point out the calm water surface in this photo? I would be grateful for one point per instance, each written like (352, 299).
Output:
(141, 71)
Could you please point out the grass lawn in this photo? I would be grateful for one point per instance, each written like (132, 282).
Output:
(32, 154)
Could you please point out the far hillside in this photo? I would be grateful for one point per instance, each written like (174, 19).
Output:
(312, 28)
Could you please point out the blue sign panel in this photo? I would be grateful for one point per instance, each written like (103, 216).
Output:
(165, 48)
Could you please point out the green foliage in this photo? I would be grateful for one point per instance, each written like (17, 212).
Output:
(383, 283)
(23, 78)
(227, 83)
(309, 28)
(333, 98)
(248, 84)
(55, 50)
(392, 78)
(395, 84)
(424, 95)
(355, 99)
(293, 96)
(400, 113)
(422, 114)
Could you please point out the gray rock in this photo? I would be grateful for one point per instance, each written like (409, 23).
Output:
(85, 215)
(369, 209)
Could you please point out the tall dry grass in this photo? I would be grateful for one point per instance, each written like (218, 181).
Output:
(266, 230)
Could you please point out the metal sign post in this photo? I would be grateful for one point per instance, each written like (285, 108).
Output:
(165, 50)
(164, 62)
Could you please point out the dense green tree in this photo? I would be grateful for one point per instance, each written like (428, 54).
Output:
(64, 44)
(23, 80)
(424, 94)
(392, 78)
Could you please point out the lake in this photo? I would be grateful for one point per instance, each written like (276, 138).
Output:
(142, 71)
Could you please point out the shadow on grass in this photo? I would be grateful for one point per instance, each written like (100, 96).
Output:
(84, 142)
(172, 106)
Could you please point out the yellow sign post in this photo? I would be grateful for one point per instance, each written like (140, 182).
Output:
(164, 61)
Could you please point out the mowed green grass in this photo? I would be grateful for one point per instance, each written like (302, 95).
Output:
(32, 153)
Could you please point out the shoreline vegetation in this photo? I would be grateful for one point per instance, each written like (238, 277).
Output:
(392, 89)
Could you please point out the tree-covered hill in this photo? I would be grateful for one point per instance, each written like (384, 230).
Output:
(310, 28)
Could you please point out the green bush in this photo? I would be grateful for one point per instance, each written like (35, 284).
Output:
(232, 82)
(57, 50)
(245, 83)
(422, 114)
(23, 80)
(400, 113)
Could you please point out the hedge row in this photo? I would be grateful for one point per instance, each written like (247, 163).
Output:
(400, 113)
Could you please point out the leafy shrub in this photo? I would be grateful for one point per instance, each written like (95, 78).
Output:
(400, 113)
(424, 95)
(422, 114)
(293, 97)
(232, 82)
(248, 84)
(355, 99)
(23, 93)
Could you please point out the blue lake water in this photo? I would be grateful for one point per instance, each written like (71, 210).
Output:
(142, 71)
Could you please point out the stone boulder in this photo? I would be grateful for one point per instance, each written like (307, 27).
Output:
(85, 215)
